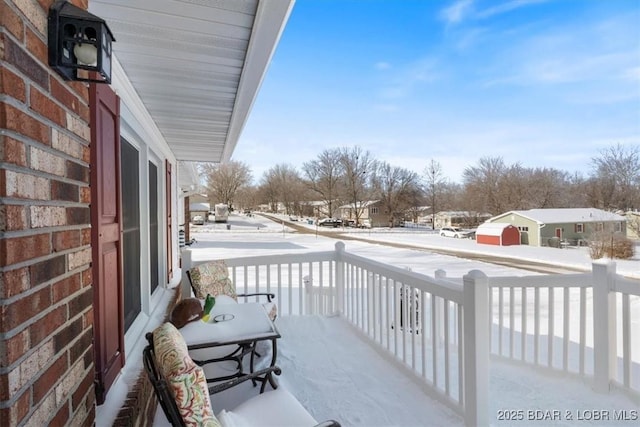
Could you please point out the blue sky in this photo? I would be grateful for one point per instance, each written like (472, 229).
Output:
(547, 83)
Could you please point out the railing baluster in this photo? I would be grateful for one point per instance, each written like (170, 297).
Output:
(434, 339)
(550, 331)
(512, 322)
(524, 334)
(500, 319)
(626, 340)
(405, 310)
(447, 372)
(461, 351)
(583, 326)
(246, 278)
(491, 334)
(566, 318)
(380, 317)
(423, 334)
(367, 283)
(301, 287)
(536, 325)
(396, 317)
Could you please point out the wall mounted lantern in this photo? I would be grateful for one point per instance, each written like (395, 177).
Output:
(79, 44)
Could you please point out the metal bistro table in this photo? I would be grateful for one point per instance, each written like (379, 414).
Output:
(232, 332)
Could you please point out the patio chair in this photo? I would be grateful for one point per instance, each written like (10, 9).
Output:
(181, 389)
(212, 277)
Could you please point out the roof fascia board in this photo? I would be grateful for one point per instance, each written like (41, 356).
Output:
(269, 23)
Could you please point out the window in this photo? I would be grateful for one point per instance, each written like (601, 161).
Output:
(618, 227)
(599, 226)
(131, 232)
(580, 228)
(374, 210)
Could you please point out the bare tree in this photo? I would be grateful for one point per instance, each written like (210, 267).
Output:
(225, 179)
(434, 183)
(616, 175)
(357, 168)
(513, 188)
(482, 184)
(323, 175)
(548, 188)
(285, 185)
(394, 186)
(247, 198)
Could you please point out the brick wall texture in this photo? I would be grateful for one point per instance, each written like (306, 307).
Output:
(46, 317)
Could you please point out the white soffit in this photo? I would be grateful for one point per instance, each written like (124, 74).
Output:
(197, 65)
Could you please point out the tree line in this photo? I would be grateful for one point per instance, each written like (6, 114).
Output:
(352, 176)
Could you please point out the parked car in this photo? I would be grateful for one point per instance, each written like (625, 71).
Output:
(456, 232)
(364, 223)
(293, 218)
(197, 220)
(330, 222)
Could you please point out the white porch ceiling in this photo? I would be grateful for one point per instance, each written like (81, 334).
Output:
(197, 65)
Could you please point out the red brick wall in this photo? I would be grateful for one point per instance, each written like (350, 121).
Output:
(46, 317)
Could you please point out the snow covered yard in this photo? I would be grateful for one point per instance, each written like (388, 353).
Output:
(336, 374)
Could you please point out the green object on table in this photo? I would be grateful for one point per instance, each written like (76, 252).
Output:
(209, 302)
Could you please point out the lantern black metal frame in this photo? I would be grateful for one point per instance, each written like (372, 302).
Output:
(71, 27)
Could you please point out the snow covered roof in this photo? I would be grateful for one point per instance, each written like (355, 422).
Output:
(492, 228)
(196, 207)
(564, 215)
(360, 204)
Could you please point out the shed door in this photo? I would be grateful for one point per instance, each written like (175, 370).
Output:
(106, 230)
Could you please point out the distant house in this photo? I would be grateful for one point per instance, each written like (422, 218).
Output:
(459, 219)
(370, 211)
(315, 208)
(538, 226)
(199, 205)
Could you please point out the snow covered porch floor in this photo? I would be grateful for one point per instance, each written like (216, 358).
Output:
(336, 374)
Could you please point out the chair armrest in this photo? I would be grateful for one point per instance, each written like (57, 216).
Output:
(234, 382)
(328, 423)
(269, 295)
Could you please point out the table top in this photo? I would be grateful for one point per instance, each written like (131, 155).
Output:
(249, 323)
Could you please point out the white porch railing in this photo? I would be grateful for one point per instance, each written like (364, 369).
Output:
(442, 332)
(587, 324)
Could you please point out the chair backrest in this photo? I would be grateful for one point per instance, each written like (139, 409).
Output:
(180, 384)
(211, 277)
(163, 391)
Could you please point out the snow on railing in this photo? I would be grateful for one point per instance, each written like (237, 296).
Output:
(442, 332)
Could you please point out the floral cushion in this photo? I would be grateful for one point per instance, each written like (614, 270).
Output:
(186, 379)
(212, 278)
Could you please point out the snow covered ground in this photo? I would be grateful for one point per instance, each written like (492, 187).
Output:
(335, 374)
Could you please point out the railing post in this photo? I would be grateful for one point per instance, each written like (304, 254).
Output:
(187, 262)
(340, 309)
(604, 325)
(476, 348)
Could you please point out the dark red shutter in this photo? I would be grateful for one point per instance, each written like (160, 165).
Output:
(106, 231)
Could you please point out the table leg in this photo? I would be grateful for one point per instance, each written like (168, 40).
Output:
(274, 355)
